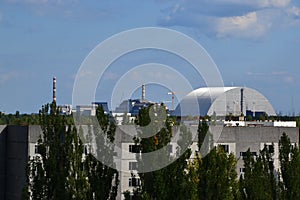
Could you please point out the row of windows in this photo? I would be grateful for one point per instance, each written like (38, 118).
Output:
(134, 148)
(242, 154)
(137, 148)
(134, 182)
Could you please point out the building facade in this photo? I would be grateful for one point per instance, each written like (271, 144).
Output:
(18, 143)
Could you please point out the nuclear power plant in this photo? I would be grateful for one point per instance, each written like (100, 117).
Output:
(18, 143)
(205, 101)
(223, 101)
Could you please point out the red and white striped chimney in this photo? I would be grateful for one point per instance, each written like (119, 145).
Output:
(54, 89)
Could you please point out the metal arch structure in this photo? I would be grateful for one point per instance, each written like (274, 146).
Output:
(211, 101)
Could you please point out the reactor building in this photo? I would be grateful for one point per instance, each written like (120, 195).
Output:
(224, 101)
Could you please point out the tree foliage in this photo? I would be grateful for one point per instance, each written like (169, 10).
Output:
(170, 182)
(289, 158)
(258, 180)
(215, 172)
(61, 170)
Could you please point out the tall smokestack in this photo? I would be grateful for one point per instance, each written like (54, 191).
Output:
(242, 99)
(143, 92)
(54, 89)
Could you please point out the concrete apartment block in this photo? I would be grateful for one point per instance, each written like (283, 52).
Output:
(17, 143)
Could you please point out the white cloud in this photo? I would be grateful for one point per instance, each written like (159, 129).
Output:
(245, 26)
(234, 18)
(7, 76)
(255, 74)
(294, 11)
(289, 79)
(279, 73)
(256, 3)
(275, 3)
(284, 75)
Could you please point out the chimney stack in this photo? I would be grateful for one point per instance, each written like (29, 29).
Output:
(242, 99)
(143, 92)
(54, 89)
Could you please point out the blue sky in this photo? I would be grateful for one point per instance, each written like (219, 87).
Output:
(254, 43)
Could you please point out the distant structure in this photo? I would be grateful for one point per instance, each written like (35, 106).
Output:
(54, 89)
(143, 93)
(223, 101)
(104, 106)
(90, 110)
(133, 106)
(242, 100)
(65, 109)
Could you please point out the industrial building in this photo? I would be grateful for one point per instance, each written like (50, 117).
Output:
(90, 110)
(222, 101)
(18, 143)
(133, 106)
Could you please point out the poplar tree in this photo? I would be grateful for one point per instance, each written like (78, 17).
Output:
(289, 158)
(170, 182)
(259, 181)
(215, 173)
(60, 171)
(102, 178)
(56, 173)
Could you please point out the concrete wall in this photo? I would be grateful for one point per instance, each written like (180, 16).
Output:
(254, 138)
(16, 160)
(3, 135)
(14, 151)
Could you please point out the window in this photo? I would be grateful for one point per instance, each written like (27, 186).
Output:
(225, 147)
(270, 148)
(86, 152)
(36, 149)
(244, 153)
(133, 165)
(170, 148)
(134, 148)
(292, 147)
(133, 182)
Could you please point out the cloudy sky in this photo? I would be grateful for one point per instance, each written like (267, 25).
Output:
(254, 44)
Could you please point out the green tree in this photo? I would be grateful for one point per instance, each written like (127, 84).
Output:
(289, 158)
(215, 173)
(56, 172)
(202, 132)
(172, 181)
(60, 171)
(103, 179)
(259, 181)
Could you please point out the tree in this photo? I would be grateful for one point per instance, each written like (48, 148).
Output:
(170, 182)
(103, 179)
(289, 158)
(259, 181)
(215, 173)
(60, 171)
(56, 172)
(202, 132)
